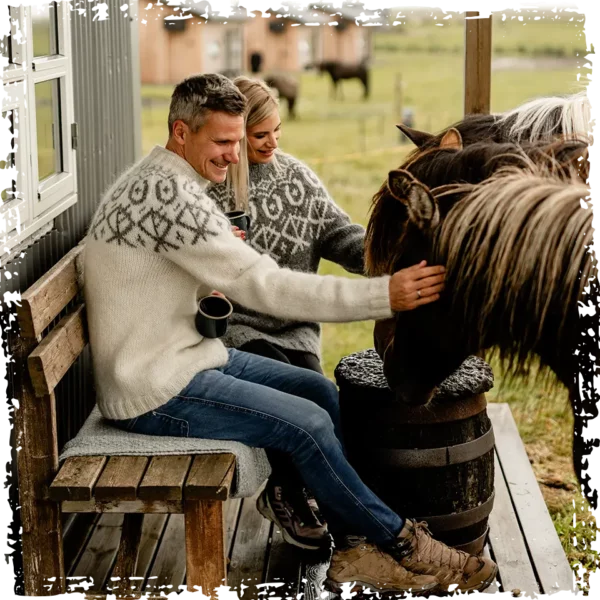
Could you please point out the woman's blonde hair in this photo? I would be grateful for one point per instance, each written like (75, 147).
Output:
(261, 103)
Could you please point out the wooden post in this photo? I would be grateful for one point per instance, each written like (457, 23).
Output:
(478, 63)
(398, 102)
(204, 545)
(37, 462)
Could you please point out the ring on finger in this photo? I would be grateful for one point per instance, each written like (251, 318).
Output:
(418, 293)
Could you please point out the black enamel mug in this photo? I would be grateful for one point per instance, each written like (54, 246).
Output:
(212, 316)
(239, 218)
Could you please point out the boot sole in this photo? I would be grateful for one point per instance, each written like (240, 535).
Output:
(264, 508)
(477, 588)
(335, 587)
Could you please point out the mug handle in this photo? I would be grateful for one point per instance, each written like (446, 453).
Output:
(249, 222)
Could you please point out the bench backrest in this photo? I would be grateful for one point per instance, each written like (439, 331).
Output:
(55, 346)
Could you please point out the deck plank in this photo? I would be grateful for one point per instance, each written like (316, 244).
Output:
(231, 513)
(495, 586)
(97, 560)
(548, 557)
(248, 557)
(283, 565)
(506, 539)
(76, 532)
(168, 570)
(154, 526)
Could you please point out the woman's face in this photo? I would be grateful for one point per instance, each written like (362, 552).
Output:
(262, 139)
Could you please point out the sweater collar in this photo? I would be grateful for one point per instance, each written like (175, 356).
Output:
(167, 157)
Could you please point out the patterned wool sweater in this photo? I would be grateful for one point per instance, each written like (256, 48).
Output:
(296, 222)
(156, 244)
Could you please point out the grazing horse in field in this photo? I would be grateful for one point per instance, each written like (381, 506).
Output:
(517, 273)
(338, 71)
(541, 119)
(287, 87)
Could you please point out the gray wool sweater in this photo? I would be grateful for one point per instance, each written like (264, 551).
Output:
(297, 223)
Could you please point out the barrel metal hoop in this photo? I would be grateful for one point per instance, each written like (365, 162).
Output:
(474, 546)
(461, 519)
(432, 457)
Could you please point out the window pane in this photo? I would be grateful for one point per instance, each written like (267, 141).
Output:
(7, 159)
(5, 57)
(45, 30)
(48, 127)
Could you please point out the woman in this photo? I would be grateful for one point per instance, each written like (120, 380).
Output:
(294, 220)
(297, 223)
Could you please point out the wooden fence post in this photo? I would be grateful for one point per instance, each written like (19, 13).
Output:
(478, 63)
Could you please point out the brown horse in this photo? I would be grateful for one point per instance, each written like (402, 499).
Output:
(517, 265)
(338, 71)
(287, 87)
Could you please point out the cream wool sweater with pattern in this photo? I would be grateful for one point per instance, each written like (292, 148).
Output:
(155, 245)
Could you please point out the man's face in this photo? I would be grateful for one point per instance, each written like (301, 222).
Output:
(215, 145)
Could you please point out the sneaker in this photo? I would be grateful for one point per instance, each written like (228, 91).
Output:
(419, 552)
(298, 524)
(367, 565)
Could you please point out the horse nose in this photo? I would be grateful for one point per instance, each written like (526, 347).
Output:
(414, 395)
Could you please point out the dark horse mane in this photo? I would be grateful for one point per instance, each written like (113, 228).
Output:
(532, 212)
(439, 166)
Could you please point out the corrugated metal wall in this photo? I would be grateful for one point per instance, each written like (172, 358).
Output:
(104, 99)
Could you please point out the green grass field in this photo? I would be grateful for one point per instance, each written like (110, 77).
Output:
(352, 145)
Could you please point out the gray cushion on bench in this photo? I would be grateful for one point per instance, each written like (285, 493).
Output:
(98, 437)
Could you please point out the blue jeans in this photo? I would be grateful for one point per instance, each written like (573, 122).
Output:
(268, 404)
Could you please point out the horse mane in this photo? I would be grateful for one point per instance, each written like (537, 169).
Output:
(518, 239)
(436, 167)
(544, 118)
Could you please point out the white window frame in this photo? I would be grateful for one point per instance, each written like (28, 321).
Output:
(39, 203)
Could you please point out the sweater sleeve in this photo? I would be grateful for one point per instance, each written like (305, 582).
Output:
(339, 240)
(203, 245)
(342, 241)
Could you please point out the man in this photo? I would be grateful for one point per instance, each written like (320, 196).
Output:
(155, 245)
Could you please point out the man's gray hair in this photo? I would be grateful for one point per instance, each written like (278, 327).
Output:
(194, 98)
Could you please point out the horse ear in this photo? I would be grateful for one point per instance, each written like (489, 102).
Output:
(399, 183)
(418, 138)
(422, 206)
(452, 139)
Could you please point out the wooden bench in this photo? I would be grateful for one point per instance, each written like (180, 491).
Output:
(195, 487)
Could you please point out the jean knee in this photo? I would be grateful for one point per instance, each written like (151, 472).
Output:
(318, 425)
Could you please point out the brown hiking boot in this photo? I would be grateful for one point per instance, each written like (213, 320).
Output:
(365, 564)
(293, 515)
(418, 552)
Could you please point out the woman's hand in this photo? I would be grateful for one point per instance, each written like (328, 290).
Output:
(416, 286)
(240, 233)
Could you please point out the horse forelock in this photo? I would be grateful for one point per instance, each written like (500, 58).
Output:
(515, 250)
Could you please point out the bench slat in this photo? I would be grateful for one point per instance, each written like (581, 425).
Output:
(76, 478)
(121, 478)
(507, 541)
(57, 352)
(549, 560)
(164, 478)
(44, 300)
(122, 506)
(210, 477)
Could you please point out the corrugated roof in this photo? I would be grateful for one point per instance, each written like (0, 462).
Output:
(207, 10)
(358, 13)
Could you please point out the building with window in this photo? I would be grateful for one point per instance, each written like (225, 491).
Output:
(351, 40)
(286, 41)
(176, 42)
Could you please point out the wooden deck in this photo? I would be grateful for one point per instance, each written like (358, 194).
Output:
(522, 541)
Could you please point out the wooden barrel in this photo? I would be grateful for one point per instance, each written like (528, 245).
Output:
(433, 463)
